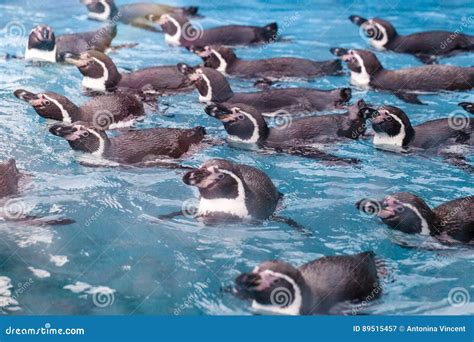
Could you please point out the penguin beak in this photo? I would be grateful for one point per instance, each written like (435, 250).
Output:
(339, 52)
(61, 130)
(196, 177)
(25, 95)
(467, 106)
(357, 20)
(369, 113)
(390, 208)
(185, 69)
(247, 281)
(75, 59)
(221, 112)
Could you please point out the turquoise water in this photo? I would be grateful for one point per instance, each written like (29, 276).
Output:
(181, 267)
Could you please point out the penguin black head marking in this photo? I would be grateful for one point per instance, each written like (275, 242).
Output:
(99, 71)
(216, 57)
(176, 27)
(274, 286)
(211, 84)
(392, 127)
(363, 64)
(41, 44)
(379, 32)
(406, 212)
(101, 10)
(82, 137)
(467, 106)
(243, 123)
(49, 105)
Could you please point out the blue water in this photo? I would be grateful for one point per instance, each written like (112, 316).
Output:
(181, 267)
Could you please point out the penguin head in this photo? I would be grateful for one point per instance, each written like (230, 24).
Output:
(82, 137)
(9, 176)
(42, 38)
(406, 212)
(379, 32)
(216, 57)
(99, 71)
(49, 105)
(177, 28)
(217, 178)
(363, 64)
(243, 123)
(100, 10)
(211, 84)
(467, 106)
(357, 115)
(274, 286)
(391, 126)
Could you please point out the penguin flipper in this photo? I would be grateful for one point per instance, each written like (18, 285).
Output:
(458, 161)
(171, 215)
(314, 153)
(408, 97)
(123, 46)
(291, 223)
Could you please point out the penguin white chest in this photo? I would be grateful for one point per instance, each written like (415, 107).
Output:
(231, 206)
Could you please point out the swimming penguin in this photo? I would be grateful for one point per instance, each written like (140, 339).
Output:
(142, 147)
(367, 71)
(452, 221)
(10, 178)
(101, 74)
(105, 111)
(143, 15)
(44, 46)
(467, 106)
(224, 59)
(246, 125)
(180, 32)
(426, 46)
(393, 129)
(316, 287)
(213, 87)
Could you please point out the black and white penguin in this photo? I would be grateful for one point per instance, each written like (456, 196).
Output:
(426, 46)
(452, 221)
(9, 178)
(101, 74)
(316, 287)
(213, 87)
(244, 124)
(232, 192)
(130, 147)
(393, 130)
(143, 15)
(105, 111)
(44, 46)
(179, 31)
(225, 60)
(367, 71)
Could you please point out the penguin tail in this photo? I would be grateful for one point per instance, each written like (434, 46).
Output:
(333, 66)
(196, 135)
(270, 32)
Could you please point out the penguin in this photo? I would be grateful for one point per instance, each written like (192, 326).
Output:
(44, 46)
(245, 125)
(180, 32)
(426, 46)
(101, 74)
(105, 111)
(450, 222)
(367, 71)
(319, 287)
(10, 178)
(467, 106)
(139, 147)
(142, 15)
(225, 60)
(393, 130)
(214, 88)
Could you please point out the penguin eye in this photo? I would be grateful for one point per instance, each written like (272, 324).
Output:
(240, 117)
(399, 209)
(47, 102)
(220, 176)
